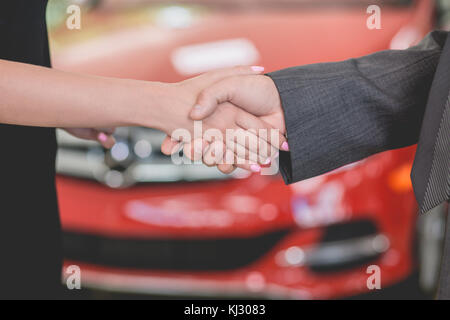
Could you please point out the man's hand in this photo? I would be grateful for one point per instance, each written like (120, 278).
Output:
(256, 94)
(179, 101)
(103, 136)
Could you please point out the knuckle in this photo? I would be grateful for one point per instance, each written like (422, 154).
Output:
(205, 95)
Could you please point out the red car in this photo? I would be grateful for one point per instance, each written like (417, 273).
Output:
(137, 223)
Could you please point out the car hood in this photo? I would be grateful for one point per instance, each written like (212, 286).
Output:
(276, 39)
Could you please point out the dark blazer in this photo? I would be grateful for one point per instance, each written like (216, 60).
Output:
(341, 112)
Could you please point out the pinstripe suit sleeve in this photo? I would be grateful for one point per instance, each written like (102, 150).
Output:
(341, 112)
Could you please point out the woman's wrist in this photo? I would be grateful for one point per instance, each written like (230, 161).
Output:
(144, 104)
(162, 106)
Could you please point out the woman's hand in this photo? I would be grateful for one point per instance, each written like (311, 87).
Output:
(104, 136)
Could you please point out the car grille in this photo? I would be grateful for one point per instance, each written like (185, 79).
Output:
(169, 254)
(136, 158)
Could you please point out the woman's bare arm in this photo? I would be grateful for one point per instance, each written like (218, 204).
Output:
(39, 96)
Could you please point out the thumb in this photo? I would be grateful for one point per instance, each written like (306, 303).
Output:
(205, 103)
(210, 98)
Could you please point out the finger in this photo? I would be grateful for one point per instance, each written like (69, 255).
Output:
(200, 146)
(194, 150)
(256, 168)
(270, 139)
(170, 146)
(188, 150)
(228, 163)
(231, 158)
(226, 168)
(247, 145)
(107, 141)
(213, 154)
(240, 142)
(84, 133)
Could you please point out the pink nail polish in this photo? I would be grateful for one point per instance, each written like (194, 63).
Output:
(285, 146)
(102, 137)
(255, 168)
(258, 68)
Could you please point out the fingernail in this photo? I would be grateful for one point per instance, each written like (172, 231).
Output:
(258, 68)
(102, 137)
(197, 108)
(285, 146)
(255, 168)
(268, 160)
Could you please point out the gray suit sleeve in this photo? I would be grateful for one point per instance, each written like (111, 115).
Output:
(341, 112)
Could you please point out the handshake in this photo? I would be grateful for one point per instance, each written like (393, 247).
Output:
(227, 118)
(237, 119)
